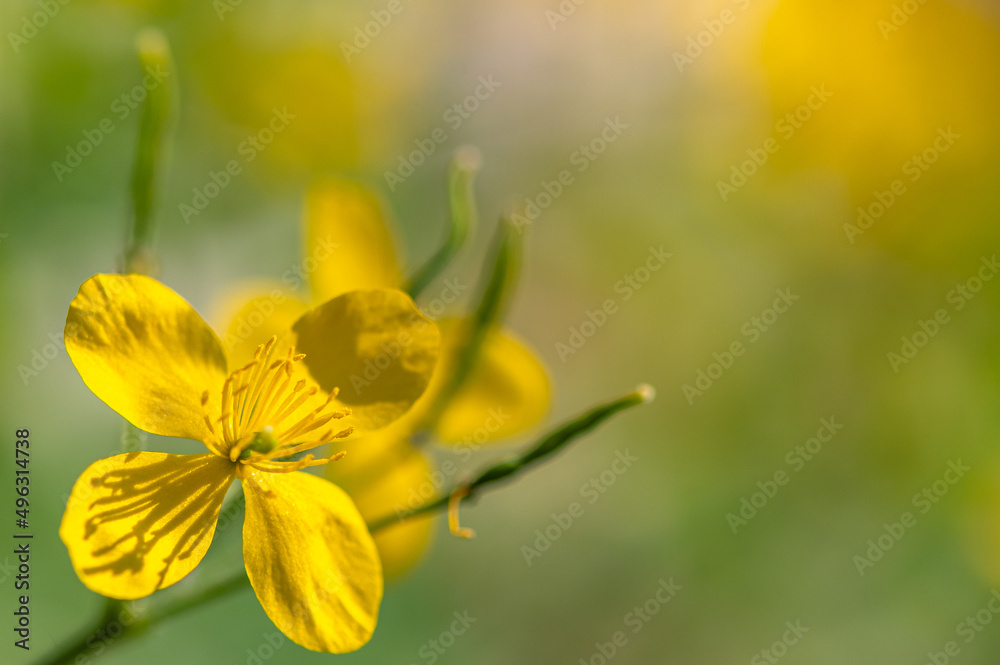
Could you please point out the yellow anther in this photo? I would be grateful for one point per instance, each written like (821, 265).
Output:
(461, 492)
(257, 399)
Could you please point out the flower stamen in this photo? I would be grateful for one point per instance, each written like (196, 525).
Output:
(257, 399)
(461, 492)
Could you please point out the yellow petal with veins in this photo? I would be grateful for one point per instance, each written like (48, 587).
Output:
(311, 560)
(375, 346)
(146, 353)
(139, 522)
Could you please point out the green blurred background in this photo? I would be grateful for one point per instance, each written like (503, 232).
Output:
(698, 84)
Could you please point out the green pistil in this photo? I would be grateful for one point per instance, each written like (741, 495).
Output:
(263, 442)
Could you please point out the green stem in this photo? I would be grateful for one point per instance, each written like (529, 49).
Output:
(151, 149)
(545, 447)
(72, 649)
(462, 208)
(496, 289)
(217, 590)
(133, 439)
(112, 630)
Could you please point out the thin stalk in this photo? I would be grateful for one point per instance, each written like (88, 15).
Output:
(462, 208)
(496, 290)
(151, 149)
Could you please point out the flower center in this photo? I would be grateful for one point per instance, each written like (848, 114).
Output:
(263, 442)
(257, 426)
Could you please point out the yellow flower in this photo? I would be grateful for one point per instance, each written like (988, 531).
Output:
(348, 245)
(895, 137)
(139, 522)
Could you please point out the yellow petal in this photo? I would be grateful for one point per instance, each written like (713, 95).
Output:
(507, 392)
(311, 560)
(348, 241)
(403, 544)
(252, 318)
(385, 475)
(375, 346)
(144, 351)
(139, 522)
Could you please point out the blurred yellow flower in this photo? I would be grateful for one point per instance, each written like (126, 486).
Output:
(139, 522)
(348, 245)
(308, 79)
(910, 133)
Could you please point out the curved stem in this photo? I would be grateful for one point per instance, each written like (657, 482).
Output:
(496, 287)
(462, 208)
